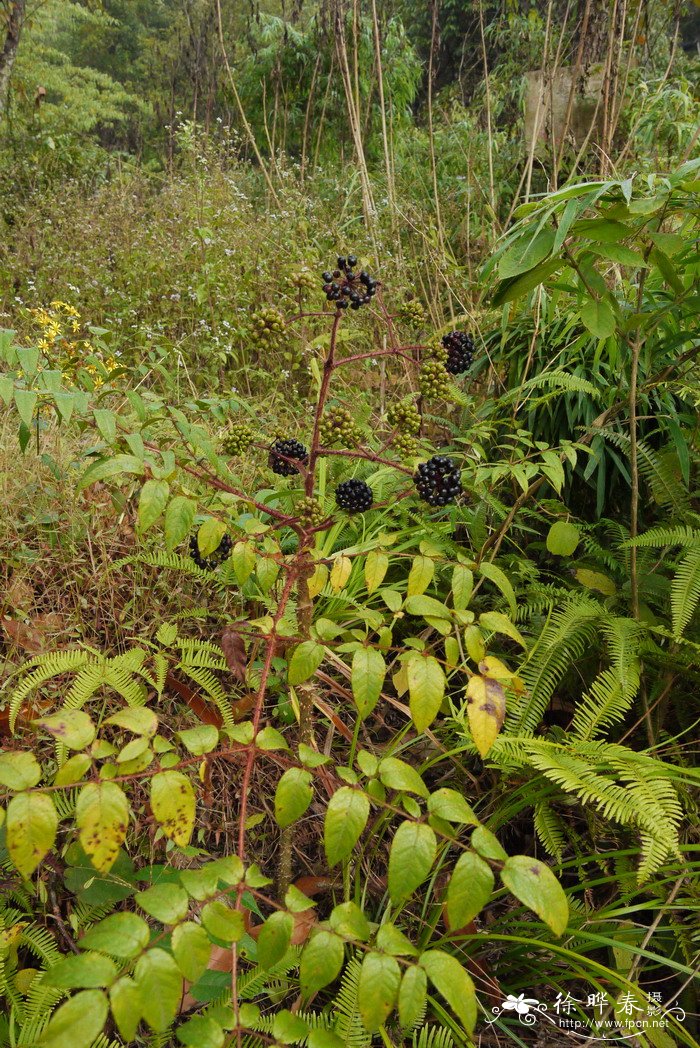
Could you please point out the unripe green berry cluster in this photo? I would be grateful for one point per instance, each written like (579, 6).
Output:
(237, 440)
(338, 427)
(309, 512)
(433, 381)
(303, 280)
(405, 417)
(268, 328)
(413, 313)
(406, 445)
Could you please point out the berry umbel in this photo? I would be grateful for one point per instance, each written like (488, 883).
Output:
(347, 288)
(460, 351)
(268, 328)
(338, 427)
(237, 440)
(286, 456)
(438, 481)
(404, 417)
(213, 559)
(309, 512)
(354, 496)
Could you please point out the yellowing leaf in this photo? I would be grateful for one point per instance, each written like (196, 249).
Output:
(376, 566)
(595, 581)
(340, 573)
(73, 728)
(318, 580)
(420, 575)
(173, 805)
(102, 817)
(426, 688)
(486, 708)
(31, 830)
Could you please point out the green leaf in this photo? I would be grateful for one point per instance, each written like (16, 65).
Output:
(451, 806)
(596, 581)
(243, 560)
(346, 818)
(305, 660)
(223, 922)
(73, 770)
(191, 949)
(210, 535)
(102, 818)
(469, 890)
(378, 988)
(201, 1032)
(139, 719)
(534, 884)
(420, 576)
(413, 994)
(274, 938)
(152, 502)
(398, 775)
(488, 845)
(497, 622)
(500, 579)
(288, 1028)
(427, 607)
(78, 1022)
(104, 469)
(73, 728)
(562, 538)
(376, 565)
(411, 859)
(81, 971)
(516, 287)
(526, 253)
(106, 422)
(160, 985)
(19, 771)
(426, 689)
(450, 979)
(199, 740)
(121, 934)
(173, 805)
(168, 903)
(391, 940)
(179, 518)
(31, 828)
(292, 796)
(348, 920)
(321, 962)
(598, 317)
(125, 1001)
(367, 677)
(25, 402)
(462, 586)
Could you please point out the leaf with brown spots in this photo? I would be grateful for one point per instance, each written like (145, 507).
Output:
(486, 708)
(173, 805)
(233, 647)
(102, 818)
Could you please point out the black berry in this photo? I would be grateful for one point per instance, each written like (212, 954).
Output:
(284, 454)
(438, 481)
(460, 351)
(213, 559)
(354, 496)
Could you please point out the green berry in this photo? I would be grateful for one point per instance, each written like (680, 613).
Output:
(434, 382)
(404, 417)
(309, 512)
(267, 328)
(413, 313)
(338, 427)
(237, 440)
(405, 445)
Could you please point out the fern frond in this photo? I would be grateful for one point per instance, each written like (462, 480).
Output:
(44, 668)
(685, 591)
(550, 830)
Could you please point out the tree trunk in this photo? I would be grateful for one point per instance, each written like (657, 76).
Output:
(15, 17)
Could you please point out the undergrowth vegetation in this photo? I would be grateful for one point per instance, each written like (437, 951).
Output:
(351, 546)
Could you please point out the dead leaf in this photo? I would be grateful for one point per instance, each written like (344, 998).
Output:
(207, 714)
(233, 647)
(24, 635)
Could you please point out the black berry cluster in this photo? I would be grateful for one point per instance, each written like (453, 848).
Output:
(413, 313)
(281, 452)
(354, 496)
(237, 440)
(213, 559)
(438, 480)
(309, 512)
(460, 351)
(345, 287)
(338, 427)
(268, 328)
